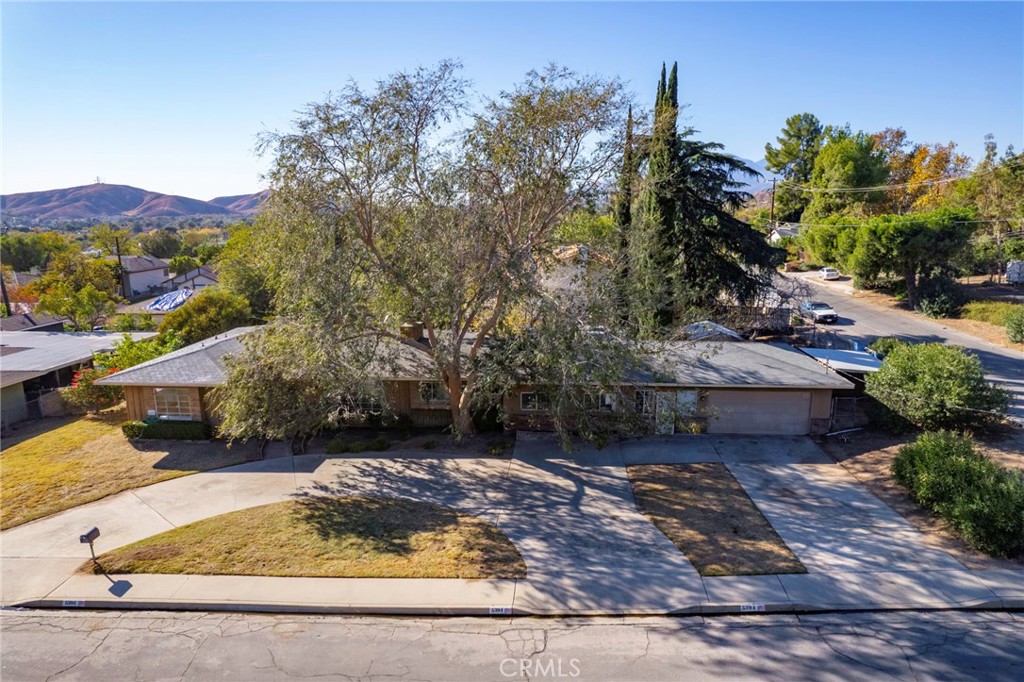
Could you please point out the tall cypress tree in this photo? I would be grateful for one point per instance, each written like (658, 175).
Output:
(657, 205)
(623, 214)
(687, 251)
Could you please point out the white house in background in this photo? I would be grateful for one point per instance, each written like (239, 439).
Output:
(196, 278)
(782, 231)
(142, 275)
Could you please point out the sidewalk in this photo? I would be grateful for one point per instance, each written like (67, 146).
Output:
(573, 519)
(804, 593)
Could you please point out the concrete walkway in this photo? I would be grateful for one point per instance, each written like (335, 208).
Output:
(573, 518)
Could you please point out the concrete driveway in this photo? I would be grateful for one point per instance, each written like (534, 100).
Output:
(573, 518)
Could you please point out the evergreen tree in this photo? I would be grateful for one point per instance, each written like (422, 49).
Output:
(687, 250)
(623, 211)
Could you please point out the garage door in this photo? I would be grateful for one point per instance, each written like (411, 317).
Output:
(763, 412)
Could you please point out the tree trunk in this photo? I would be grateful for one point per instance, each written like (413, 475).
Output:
(910, 275)
(462, 419)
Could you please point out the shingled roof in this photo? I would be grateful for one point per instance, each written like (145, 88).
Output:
(200, 364)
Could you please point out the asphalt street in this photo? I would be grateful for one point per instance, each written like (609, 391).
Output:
(140, 646)
(865, 322)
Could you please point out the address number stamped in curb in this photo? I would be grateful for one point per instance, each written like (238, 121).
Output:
(751, 606)
(73, 602)
(500, 611)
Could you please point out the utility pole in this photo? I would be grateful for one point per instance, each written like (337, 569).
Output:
(7, 300)
(772, 219)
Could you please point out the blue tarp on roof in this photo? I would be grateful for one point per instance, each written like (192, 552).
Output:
(171, 301)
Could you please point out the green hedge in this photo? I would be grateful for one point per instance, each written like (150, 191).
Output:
(174, 430)
(982, 501)
(133, 429)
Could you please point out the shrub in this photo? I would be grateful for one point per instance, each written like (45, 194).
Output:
(430, 445)
(884, 345)
(1015, 325)
(983, 502)
(174, 430)
(380, 444)
(357, 446)
(86, 395)
(939, 297)
(934, 386)
(133, 428)
(336, 447)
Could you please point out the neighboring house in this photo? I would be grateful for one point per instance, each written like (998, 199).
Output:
(141, 275)
(32, 322)
(33, 364)
(197, 278)
(20, 279)
(782, 231)
(729, 388)
(158, 306)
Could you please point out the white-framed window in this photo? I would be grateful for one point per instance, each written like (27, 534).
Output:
(534, 402)
(173, 403)
(369, 404)
(645, 401)
(687, 403)
(599, 402)
(432, 392)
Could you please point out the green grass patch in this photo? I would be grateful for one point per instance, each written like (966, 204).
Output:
(350, 537)
(992, 312)
(706, 513)
(56, 464)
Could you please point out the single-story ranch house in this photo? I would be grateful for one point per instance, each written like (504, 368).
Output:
(736, 387)
(34, 364)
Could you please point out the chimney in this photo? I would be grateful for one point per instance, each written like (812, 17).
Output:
(412, 331)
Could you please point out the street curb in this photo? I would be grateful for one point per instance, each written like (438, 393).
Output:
(748, 609)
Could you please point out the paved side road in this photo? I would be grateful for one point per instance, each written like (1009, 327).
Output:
(864, 322)
(143, 646)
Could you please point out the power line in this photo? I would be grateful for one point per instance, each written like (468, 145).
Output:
(902, 185)
(841, 224)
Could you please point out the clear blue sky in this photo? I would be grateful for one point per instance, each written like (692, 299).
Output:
(170, 97)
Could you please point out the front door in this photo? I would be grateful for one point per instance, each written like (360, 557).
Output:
(665, 413)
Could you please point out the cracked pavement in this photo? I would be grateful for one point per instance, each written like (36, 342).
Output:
(142, 646)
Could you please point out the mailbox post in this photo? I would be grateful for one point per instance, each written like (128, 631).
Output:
(88, 538)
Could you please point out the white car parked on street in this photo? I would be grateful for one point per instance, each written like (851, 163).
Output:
(828, 273)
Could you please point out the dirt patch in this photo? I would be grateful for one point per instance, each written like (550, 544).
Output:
(868, 456)
(706, 513)
(336, 537)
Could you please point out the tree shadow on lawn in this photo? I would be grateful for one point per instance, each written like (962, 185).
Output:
(386, 524)
(397, 526)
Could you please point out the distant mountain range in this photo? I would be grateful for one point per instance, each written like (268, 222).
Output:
(102, 201)
(753, 185)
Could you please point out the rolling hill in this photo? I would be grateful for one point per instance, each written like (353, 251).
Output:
(244, 204)
(100, 201)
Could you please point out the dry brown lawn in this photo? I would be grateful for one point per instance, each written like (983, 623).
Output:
(349, 537)
(706, 513)
(868, 456)
(55, 464)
